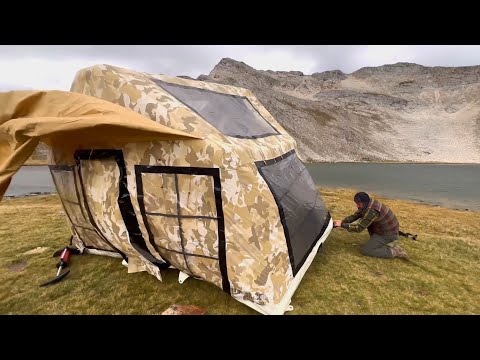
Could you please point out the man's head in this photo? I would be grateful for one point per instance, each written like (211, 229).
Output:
(361, 199)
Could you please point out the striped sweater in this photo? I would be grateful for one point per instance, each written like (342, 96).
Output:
(378, 218)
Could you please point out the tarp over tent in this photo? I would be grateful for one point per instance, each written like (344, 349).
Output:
(232, 205)
(56, 117)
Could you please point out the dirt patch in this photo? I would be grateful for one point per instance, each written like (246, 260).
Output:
(422, 293)
(17, 267)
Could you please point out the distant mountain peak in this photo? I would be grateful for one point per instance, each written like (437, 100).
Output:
(227, 62)
(397, 112)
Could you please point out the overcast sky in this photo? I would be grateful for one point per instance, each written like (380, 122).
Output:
(54, 66)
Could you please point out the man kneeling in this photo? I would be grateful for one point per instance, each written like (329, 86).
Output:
(382, 225)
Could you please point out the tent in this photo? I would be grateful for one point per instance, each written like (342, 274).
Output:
(212, 187)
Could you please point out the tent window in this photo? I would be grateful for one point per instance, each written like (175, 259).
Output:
(65, 179)
(302, 211)
(231, 114)
(183, 215)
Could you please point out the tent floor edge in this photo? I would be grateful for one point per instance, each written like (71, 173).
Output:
(284, 305)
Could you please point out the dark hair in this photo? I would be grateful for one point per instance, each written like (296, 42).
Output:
(361, 197)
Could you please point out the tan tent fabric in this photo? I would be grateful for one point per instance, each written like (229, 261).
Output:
(231, 203)
(56, 117)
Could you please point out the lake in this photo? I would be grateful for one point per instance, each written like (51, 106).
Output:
(455, 186)
(30, 179)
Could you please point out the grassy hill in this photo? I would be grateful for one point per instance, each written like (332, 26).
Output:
(441, 278)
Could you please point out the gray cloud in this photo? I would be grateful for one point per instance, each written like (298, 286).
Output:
(53, 67)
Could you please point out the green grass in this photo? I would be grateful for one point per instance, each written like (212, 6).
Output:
(441, 278)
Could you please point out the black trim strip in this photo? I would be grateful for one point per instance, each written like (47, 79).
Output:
(263, 163)
(276, 133)
(182, 216)
(215, 173)
(324, 227)
(181, 170)
(222, 254)
(283, 220)
(61, 167)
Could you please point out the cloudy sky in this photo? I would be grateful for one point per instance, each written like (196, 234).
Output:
(54, 67)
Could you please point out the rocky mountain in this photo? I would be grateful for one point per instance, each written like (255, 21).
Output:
(399, 112)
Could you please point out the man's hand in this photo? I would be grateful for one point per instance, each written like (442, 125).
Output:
(337, 223)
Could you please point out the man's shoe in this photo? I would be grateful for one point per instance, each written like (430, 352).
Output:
(397, 252)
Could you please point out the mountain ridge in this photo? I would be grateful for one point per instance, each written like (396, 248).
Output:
(401, 112)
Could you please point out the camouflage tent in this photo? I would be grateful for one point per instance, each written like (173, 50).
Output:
(225, 199)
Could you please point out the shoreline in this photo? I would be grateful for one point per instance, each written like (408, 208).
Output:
(32, 194)
(391, 162)
(44, 163)
(412, 201)
(328, 189)
(35, 164)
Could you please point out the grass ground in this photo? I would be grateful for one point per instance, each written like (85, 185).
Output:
(441, 278)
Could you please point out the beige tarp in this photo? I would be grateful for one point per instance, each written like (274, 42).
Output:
(56, 117)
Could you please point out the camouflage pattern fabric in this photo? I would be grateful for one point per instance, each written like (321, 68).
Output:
(180, 210)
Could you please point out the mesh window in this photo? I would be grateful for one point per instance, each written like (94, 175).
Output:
(182, 212)
(65, 182)
(64, 179)
(230, 114)
(301, 208)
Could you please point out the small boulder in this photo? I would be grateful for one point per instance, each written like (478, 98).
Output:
(184, 310)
